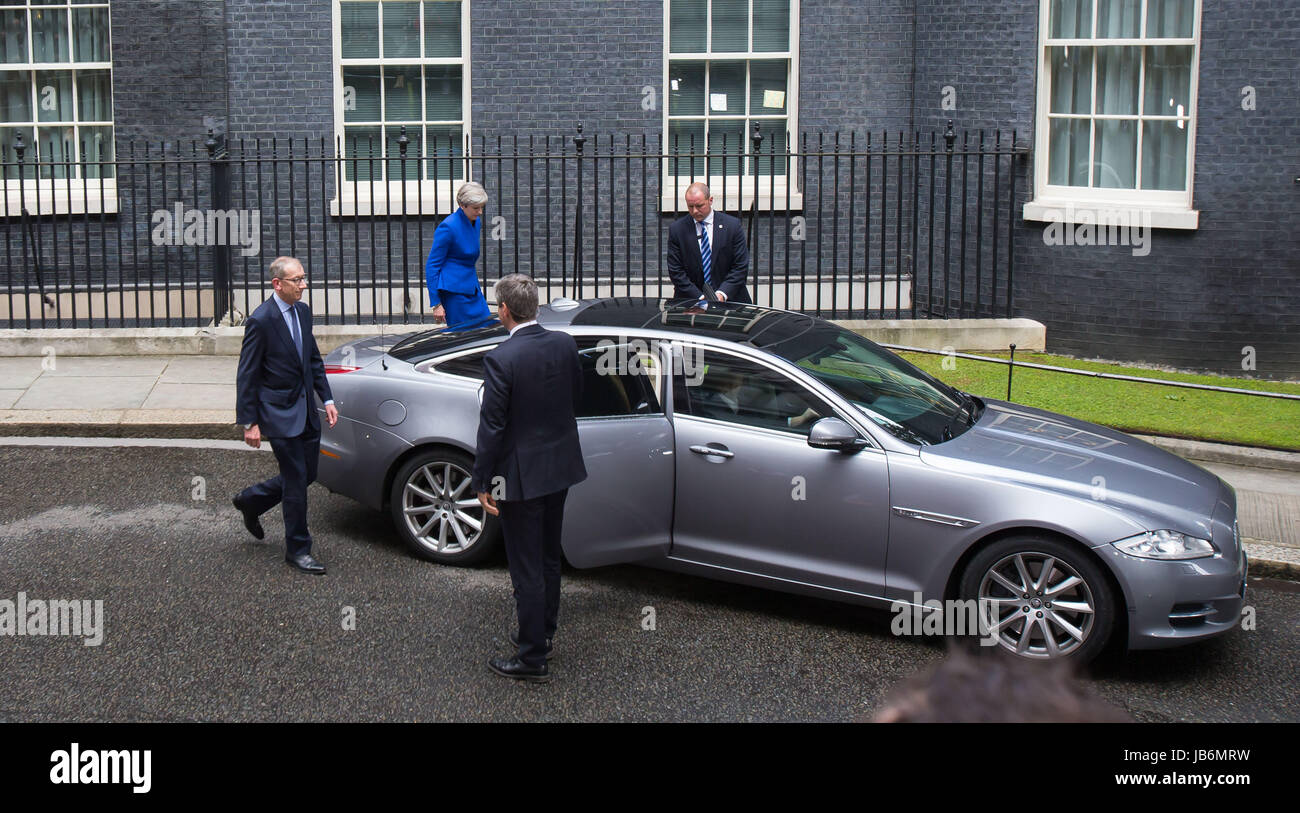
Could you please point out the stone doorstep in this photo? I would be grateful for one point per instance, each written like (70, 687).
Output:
(932, 334)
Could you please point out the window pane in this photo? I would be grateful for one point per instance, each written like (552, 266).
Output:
(361, 100)
(55, 144)
(401, 29)
(771, 25)
(742, 392)
(442, 28)
(686, 88)
(767, 86)
(7, 153)
(410, 168)
(687, 26)
(362, 144)
(13, 38)
(49, 35)
(727, 143)
(771, 153)
(617, 390)
(1068, 161)
(54, 96)
(1071, 79)
(727, 89)
(1116, 163)
(402, 93)
(446, 144)
(1119, 19)
(1164, 155)
(442, 89)
(15, 96)
(96, 146)
(1168, 81)
(686, 138)
(95, 95)
(1118, 72)
(90, 27)
(1170, 18)
(359, 30)
(1071, 19)
(730, 25)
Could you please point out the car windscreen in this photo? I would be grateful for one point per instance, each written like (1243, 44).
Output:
(432, 343)
(897, 396)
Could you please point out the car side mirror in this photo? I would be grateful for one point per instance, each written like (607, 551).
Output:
(835, 434)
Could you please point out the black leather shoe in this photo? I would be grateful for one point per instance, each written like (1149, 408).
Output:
(514, 639)
(251, 522)
(517, 669)
(306, 563)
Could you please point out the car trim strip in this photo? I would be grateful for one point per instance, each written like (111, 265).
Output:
(930, 516)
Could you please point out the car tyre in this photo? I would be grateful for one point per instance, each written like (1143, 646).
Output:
(1068, 611)
(437, 513)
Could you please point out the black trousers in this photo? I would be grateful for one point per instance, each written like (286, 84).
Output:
(532, 538)
(299, 458)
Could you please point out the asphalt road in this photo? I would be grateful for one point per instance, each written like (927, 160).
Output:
(204, 623)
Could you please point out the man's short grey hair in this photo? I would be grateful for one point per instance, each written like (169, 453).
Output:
(698, 186)
(471, 194)
(518, 292)
(280, 266)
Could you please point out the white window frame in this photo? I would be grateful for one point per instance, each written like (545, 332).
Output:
(1076, 204)
(59, 196)
(430, 197)
(739, 189)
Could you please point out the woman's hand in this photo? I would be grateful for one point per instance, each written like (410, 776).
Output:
(439, 313)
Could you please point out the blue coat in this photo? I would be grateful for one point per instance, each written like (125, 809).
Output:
(450, 266)
(274, 382)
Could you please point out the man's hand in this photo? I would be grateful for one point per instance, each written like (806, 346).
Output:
(720, 295)
(253, 436)
(489, 504)
(331, 414)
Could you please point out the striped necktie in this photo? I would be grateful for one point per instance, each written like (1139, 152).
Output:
(297, 334)
(706, 254)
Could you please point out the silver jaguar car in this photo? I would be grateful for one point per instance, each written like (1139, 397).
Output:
(777, 449)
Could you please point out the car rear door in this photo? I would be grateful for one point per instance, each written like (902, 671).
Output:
(622, 512)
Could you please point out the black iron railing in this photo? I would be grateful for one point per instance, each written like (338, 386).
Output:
(876, 225)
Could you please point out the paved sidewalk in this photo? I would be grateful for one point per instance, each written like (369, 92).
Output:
(193, 396)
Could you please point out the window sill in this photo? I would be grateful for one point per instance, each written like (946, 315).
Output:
(1056, 210)
(423, 199)
(735, 201)
(56, 198)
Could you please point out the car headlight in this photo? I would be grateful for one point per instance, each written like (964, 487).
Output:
(1166, 545)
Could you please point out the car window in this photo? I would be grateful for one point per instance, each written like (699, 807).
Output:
(469, 365)
(728, 388)
(619, 377)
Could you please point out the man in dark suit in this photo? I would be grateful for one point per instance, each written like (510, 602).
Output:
(527, 457)
(707, 246)
(279, 366)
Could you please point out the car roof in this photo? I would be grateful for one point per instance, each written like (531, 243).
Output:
(728, 321)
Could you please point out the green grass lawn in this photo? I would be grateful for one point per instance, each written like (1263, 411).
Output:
(1132, 407)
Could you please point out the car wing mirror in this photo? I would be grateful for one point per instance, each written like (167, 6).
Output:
(835, 434)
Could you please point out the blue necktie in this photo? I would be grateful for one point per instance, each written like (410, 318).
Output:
(706, 254)
(297, 335)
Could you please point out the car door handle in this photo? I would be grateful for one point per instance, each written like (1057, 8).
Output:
(709, 450)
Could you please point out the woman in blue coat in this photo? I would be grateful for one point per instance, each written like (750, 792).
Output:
(449, 272)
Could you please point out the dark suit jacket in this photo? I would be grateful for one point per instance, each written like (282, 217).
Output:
(527, 432)
(273, 381)
(730, 258)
